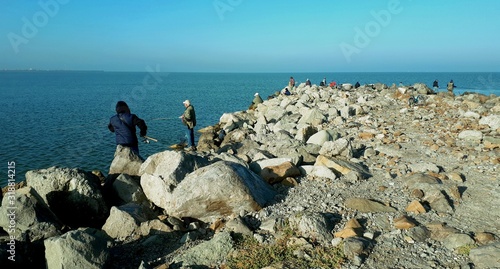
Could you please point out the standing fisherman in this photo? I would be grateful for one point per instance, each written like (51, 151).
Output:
(189, 119)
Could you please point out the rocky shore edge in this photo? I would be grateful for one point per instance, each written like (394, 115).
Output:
(388, 182)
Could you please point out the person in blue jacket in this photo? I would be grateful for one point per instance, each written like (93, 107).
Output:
(123, 125)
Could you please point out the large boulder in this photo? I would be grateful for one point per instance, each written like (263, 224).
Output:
(125, 162)
(323, 136)
(340, 147)
(128, 190)
(73, 195)
(486, 256)
(314, 226)
(312, 117)
(257, 166)
(492, 120)
(422, 88)
(216, 191)
(275, 174)
(162, 171)
(343, 167)
(33, 219)
(206, 254)
(123, 221)
(82, 248)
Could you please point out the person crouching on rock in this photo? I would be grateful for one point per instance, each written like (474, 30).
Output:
(256, 101)
(123, 125)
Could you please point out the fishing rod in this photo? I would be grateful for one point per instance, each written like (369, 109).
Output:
(180, 145)
(150, 138)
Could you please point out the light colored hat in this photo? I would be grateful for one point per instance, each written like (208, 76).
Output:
(256, 94)
(186, 102)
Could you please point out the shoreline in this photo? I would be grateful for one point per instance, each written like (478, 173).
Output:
(440, 91)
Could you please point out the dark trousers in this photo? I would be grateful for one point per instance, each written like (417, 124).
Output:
(190, 136)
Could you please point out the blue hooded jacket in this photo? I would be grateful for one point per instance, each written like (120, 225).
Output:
(123, 125)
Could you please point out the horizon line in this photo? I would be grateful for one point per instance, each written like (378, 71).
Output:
(234, 72)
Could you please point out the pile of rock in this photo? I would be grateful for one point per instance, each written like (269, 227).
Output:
(399, 186)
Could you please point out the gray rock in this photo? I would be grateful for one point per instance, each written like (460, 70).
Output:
(274, 114)
(257, 166)
(82, 248)
(492, 120)
(454, 241)
(73, 195)
(162, 171)
(423, 167)
(216, 191)
(313, 117)
(152, 227)
(347, 112)
(390, 151)
(487, 256)
(419, 233)
(339, 147)
(471, 135)
(342, 166)
(318, 171)
(125, 162)
(365, 205)
(207, 253)
(437, 200)
(320, 137)
(237, 225)
(314, 226)
(471, 114)
(123, 221)
(33, 219)
(356, 247)
(129, 190)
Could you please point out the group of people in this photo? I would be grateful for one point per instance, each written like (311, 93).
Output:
(449, 87)
(323, 83)
(124, 124)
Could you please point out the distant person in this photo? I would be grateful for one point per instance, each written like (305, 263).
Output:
(308, 82)
(189, 119)
(291, 83)
(435, 84)
(357, 85)
(323, 82)
(451, 86)
(123, 125)
(286, 92)
(333, 84)
(220, 138)
(256, 101)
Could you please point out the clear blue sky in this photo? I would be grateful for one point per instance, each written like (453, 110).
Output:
(251, 35)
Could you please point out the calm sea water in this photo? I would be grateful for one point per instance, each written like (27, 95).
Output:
(60, 118)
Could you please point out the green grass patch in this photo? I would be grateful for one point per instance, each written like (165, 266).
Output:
(465, 250)
(250, 254)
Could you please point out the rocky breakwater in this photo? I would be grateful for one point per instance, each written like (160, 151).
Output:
(357, 170)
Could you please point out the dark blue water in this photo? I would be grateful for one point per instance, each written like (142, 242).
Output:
(60, 118)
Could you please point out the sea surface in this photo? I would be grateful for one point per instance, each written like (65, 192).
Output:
(59, 118)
